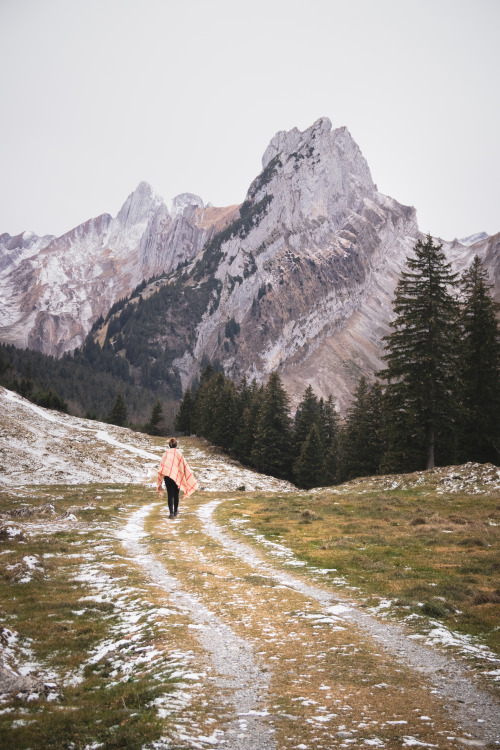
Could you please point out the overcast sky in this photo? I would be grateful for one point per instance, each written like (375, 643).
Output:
(97, 95)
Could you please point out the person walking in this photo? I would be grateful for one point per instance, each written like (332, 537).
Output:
(177, 475)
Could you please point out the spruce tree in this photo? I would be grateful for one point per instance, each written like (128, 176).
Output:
(308, 468)
(251, 402)
(118, 413)
(308, 414)
(329, 421)
(208, 396)
(330, 434)
(155, 419)
(183, 419)
(271, 452)
(421, 357)
(479, 368)
(361, 444)
(202, 406)
(224, 424)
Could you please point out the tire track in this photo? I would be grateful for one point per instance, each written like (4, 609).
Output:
(243, 683)
(474, 709)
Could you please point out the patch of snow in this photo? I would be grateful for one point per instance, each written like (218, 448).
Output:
(473, 238)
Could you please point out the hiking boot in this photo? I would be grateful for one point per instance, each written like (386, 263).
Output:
(171, 515)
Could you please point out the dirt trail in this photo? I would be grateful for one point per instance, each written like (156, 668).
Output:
(239, 674)
(299, 665)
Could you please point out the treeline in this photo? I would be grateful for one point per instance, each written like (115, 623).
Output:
(253, 423)
(437, 402)
(86, 383)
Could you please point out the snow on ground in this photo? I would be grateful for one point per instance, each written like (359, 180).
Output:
(220, 474)
(41, 446)
(437, 634)
(470, 478)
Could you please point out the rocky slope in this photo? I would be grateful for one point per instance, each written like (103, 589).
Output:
(54, 288)
(310, 283)
(299, 278)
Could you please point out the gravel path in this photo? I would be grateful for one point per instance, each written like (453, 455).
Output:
(239, 674)
(474, 709)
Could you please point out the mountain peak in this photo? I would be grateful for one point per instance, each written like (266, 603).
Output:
(473, 238)
(289, 141)
(139, 205)
(184, 201)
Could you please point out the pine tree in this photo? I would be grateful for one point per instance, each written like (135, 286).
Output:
(330, 470)
(184, 417)
(4, 363)
(330, 434)
(271, 453)
(361, 444)
(421, 356)
(250, 402)
(329, 421)
(479, 368)
(155, 419)
(225, 415)
(118, 413)
(210, 394)
(308, 414)
(202, 406)
(308, 468)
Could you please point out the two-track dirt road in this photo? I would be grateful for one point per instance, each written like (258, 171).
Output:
(293, 661)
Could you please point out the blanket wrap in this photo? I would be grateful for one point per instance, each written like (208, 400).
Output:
(174, 465)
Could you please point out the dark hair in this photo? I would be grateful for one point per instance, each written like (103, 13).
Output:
(172, 443)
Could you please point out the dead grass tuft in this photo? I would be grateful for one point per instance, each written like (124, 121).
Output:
(419, 521)
(309, 515)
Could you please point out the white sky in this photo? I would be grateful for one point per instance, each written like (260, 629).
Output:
(97, 95)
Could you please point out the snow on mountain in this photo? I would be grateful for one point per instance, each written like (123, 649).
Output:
(15, 249)
(41, 446)
(55, 288)
(473, 238)
(310, 276)
(316, 271)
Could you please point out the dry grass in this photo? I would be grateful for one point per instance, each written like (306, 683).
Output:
(323, 674)
(84, 596)
(328, 685)
(433, 554)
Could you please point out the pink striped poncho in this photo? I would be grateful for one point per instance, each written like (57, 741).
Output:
(174, 465)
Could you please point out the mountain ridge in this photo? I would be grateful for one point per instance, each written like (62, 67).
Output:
(301, 274)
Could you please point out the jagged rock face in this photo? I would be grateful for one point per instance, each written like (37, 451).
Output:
(311, 283)
(302, 274)
(55, 288)
(14, 249)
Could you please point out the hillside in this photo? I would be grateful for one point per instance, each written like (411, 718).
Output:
(260, 617)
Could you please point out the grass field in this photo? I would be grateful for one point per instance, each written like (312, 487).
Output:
(429, 547)
(76, 614)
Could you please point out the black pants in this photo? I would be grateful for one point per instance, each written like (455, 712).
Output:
(173, 494)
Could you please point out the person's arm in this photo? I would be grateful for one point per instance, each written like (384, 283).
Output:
(160, 483)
